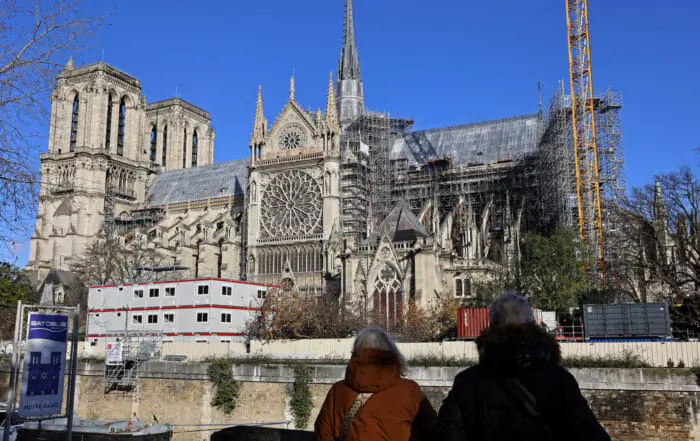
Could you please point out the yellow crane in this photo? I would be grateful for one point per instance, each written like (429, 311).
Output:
(590, 213)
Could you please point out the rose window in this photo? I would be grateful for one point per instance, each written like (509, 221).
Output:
(292, 205)
(387, 280)
(292, 137)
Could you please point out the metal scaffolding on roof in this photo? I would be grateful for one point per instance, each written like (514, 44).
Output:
(367, 177)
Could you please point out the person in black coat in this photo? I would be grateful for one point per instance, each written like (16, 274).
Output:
(518, 391)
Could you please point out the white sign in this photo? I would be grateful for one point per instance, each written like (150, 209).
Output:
(44, 365)
(113, 354)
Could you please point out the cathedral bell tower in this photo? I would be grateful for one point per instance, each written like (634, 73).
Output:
(94, 168)
(294, 194)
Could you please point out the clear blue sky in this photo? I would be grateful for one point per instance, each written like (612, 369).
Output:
(440, 62)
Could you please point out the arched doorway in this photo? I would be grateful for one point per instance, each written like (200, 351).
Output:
(387, 300)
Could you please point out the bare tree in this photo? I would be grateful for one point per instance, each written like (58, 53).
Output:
(109, 261)
(660, 240)
(36, 39)
(289, 314)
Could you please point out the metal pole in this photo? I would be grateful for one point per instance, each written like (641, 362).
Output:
(13, 370)
(343, 257)
(73, 374)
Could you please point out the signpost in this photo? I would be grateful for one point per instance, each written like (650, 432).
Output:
(44, 366)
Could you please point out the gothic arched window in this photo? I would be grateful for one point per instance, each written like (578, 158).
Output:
(108, 131)
(184, 149)
(194, 149)
(164, 155)
(74, 124)
(388, 298)
(154, 139)
(121, 128)
(458, 288)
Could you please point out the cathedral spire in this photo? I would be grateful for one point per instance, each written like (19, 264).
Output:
(350, 102)
(331, 112)
(349, 64)
(291, 88)
(260, 124)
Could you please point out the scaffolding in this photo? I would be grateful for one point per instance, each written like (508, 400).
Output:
(367, 176)
(557, 170)
(125, 354)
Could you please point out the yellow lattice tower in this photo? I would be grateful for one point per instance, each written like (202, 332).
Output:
(584, 132)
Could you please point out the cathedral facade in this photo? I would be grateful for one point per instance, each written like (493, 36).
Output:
(344, 202)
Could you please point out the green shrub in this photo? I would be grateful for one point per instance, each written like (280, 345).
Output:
(301, 402)
(227, 388)
(441, 361)
(625, 360)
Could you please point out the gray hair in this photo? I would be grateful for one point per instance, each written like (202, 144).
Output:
(510, 309)
(377, 338)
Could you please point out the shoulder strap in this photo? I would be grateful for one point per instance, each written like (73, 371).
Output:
(527, 401)
(357, 403)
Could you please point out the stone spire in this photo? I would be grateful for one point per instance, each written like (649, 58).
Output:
(69, 65)
(331, 112)
(291, 88)
(260, 123)
(349, 85)
(349, 64)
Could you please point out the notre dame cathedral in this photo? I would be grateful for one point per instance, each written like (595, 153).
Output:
(345, 201)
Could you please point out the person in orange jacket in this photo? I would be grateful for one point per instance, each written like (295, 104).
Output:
(374, 402)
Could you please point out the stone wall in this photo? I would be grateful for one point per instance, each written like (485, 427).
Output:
(633, 404)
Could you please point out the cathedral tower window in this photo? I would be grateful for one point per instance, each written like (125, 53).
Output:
(154, 139)
(108, 131)
(194, 149)
(74, 124)
(458, 288)
(184, 149)
(164, 155)
(121, 128)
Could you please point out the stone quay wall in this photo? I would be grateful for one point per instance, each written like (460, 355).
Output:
(632, 404)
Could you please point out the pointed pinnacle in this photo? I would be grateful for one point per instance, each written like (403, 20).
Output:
(291, 88)
(258, 134)
(331, 112)
(69, 64)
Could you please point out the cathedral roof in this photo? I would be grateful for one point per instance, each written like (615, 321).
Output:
(477, 143)
(198, 183)
(401, 225)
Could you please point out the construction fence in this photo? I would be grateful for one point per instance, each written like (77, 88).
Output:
(657, 354)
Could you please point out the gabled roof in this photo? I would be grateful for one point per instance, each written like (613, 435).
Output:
(198, 183)
(477, 143)
(401, 225)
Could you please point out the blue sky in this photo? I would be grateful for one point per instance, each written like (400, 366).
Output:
(440, 62)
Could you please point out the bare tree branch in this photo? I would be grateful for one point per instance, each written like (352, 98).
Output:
(36, 39)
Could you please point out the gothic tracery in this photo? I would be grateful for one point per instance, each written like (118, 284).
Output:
(292, 205)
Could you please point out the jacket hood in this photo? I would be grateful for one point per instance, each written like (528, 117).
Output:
(372, 370)
(513, 349)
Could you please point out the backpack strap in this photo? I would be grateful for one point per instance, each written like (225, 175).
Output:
(527, 401)
(356, 405)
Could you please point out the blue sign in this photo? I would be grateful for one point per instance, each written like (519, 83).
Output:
(44, 365)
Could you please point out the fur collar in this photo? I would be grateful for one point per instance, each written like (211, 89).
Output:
(517, 347)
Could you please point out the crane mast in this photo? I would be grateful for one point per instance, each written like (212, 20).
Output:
(590, 214)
